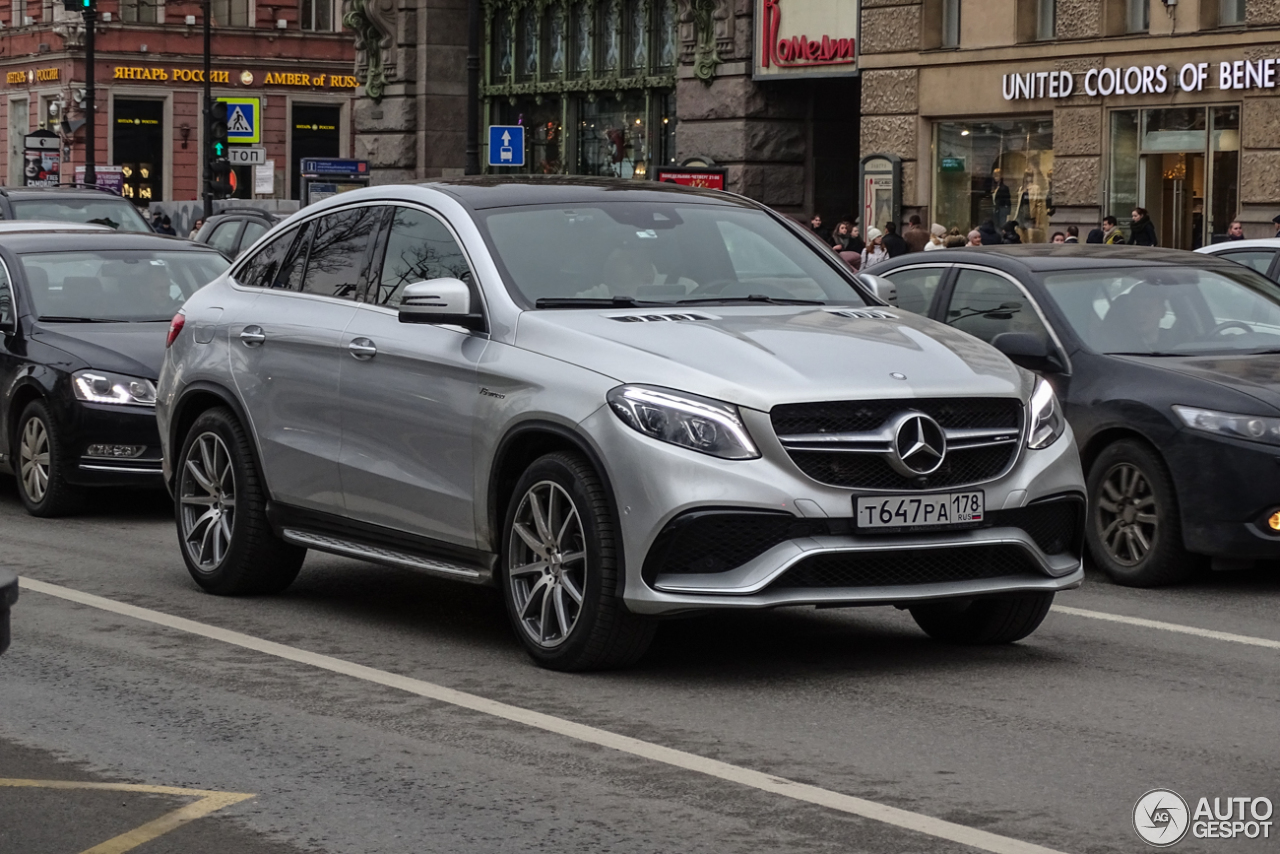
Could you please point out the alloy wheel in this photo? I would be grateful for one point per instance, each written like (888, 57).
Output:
(1126, 515)
(207, 497)
(33, 453)
(547, 564)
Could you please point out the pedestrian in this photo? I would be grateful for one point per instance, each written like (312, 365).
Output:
(195, 229)
(937, 237)
(955, 240)
(990, 237)
(845, 238)
(915, 236)
(1010, 234)
(1109, 234)
(1001, 198)
(166, 227)
(815, 225)
(1144, 230)
(975, 238)
(874, 253)
(1058, 237)
(893, 242)
(1073, 235)
(1276, 222)
(1235, 231)
(156, 221)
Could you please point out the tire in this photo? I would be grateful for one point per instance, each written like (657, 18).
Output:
(1133, 547)
(983, 622)
(41, 458)
(223, 533)
(560, 573)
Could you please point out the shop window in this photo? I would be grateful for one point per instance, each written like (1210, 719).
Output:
(1230, 13)
(231, 13)
(316, 15)
(140, 11)
(995, 170)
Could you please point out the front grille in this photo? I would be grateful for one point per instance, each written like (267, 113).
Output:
(1055, 526)
(708, 542)
(961, 466)
(922, 566)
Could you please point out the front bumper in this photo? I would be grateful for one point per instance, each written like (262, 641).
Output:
(84, 425)
(1226, 490)
(656, 483)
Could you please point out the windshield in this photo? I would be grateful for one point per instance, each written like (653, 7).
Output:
(117, 285)
(658, 252)
(1170, 310)
(113, 213)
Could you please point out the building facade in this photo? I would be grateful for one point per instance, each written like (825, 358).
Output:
(287, 70)
(621, 87)
(1059, 112)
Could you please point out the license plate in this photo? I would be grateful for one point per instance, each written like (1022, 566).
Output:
(936, 510)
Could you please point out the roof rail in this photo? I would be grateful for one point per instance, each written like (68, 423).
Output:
(81, 185)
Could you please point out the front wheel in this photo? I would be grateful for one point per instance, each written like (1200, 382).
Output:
(42, 459)
(978, 622)
(226, 541)
(560, 570)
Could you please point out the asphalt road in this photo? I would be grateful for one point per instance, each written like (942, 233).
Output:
(1049, 741)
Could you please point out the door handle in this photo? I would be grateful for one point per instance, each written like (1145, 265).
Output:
(362, 349)
(252, 336)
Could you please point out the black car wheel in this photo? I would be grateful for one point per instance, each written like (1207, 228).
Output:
(976, 622)
(227, 543)
(1134, 530)
(560, 570)
(41, 465)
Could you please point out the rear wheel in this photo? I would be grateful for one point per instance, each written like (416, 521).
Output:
(1135, 530)
(560, 570)
(42, 459)
(1000, 619)
(226, 541)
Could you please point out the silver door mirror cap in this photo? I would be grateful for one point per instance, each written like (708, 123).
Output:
(880, 286)
(442, 301)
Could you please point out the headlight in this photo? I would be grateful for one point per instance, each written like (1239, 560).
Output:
(102, 387)
(1252, 428)
(687, 420)
(1047, 423)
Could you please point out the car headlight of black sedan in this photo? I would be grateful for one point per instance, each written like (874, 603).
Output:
(94, 386)
(1251, 428)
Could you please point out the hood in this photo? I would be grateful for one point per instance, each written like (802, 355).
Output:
(1257, 376)
(136, 349)
(761, 356)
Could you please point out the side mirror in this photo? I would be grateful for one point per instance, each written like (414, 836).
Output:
(439, 301)
(1029, 351)
(881, 287)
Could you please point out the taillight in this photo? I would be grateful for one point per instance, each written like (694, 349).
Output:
(175, 326)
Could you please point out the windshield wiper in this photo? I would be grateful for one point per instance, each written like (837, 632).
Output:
(752, 298)
(593, 302)
(53, 319)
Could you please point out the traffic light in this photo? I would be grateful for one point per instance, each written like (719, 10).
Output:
(218, 174)
(80, 5)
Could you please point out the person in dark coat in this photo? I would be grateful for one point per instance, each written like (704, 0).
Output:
(1109, 233)
(987, 231)
(1143, 232)
(1073, 235)
(1010, 233)
(893, 242)
(915, 236)
(815, 224)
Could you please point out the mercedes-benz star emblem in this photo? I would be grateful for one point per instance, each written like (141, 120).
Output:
(919, 445)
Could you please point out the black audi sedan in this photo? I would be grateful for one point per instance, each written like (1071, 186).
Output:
(83, 321)
(1168, 364)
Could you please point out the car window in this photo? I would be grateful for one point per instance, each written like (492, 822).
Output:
(916, 286)
(1176, 310)
(985, 304)
(223, 237)
(112, 212)
(339, 251)
(263, 267)
(8, 312)
(1255, 259)
(419, 247)
(252, 231)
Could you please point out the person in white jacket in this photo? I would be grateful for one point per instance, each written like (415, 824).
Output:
(875, 252)
(937, 237)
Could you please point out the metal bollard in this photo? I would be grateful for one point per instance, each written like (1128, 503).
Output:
(8, 596)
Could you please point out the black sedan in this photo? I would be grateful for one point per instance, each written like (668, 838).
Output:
(1168, 364)
(83, 320)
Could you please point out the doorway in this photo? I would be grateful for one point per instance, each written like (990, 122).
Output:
(138, 146)
(314, 134)
(1173, 186)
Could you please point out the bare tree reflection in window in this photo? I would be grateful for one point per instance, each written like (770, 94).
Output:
(336, 262)
(419, 249)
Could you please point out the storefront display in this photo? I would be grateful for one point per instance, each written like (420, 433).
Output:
(997, 170)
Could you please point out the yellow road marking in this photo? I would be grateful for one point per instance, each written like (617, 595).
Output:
(207, 802)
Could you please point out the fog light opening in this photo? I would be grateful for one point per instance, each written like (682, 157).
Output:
(115, 451)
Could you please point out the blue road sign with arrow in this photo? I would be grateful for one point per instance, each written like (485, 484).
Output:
(506, 145)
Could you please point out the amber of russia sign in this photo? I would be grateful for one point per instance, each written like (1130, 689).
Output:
(806, 38)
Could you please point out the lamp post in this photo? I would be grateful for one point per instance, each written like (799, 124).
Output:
(208, 107)
(473, 87)
(90, 9)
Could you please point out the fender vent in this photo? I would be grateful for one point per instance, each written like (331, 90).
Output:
(658, 318)
(863, 313)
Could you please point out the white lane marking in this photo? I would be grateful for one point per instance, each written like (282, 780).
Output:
(1168, 627)
(901, 818)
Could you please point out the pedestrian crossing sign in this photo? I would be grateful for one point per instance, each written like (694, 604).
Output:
(243, 120)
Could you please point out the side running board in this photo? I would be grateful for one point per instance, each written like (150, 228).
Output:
(379, 554)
